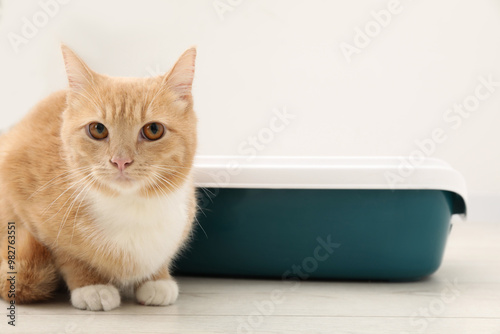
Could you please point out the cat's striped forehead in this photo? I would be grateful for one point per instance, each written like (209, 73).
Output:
(130, 102)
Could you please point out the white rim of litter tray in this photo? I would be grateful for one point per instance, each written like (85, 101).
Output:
(274, 172)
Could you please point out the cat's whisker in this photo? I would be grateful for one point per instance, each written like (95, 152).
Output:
(158, 177)
(162, 192)
(61, 177)
(70, 206)
(68, 210)
(200, 209)
(172, 171)
(171, 186)
(207, 192)
(180, 167)
(162, 179)
(204, 189)
(89, 186)
(57, 198)
(78, 183)
(177, 174)
(156, 188)
(171, 166)
(198, 222)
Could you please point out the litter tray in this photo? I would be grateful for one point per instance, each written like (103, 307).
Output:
(322, 218)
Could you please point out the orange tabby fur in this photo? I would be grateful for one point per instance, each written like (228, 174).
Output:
(50, 169)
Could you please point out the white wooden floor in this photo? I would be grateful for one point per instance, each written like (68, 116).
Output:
(462, 297)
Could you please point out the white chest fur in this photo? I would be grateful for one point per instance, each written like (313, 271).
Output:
(145, 233)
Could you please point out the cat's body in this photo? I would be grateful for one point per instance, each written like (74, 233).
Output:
(102, 213)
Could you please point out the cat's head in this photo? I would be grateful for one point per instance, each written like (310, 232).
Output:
(130, 134)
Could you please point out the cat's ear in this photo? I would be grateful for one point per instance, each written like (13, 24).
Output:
(79, 74)
(180, 78)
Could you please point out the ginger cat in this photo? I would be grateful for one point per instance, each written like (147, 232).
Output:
(97, 180)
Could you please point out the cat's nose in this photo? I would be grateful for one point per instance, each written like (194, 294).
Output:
(121, 163)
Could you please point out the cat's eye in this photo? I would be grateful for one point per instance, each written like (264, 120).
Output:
(153, 131)
(97, 131)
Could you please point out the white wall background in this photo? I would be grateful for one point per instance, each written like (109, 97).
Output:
(262, 55)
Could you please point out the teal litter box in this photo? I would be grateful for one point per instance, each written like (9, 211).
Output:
(322, 218)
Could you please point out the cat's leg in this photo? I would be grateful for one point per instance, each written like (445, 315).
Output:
(35, 277)
(160, 290)
(89, 290)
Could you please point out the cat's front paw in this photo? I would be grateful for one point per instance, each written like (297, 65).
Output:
(157, 293)
(96, 297)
